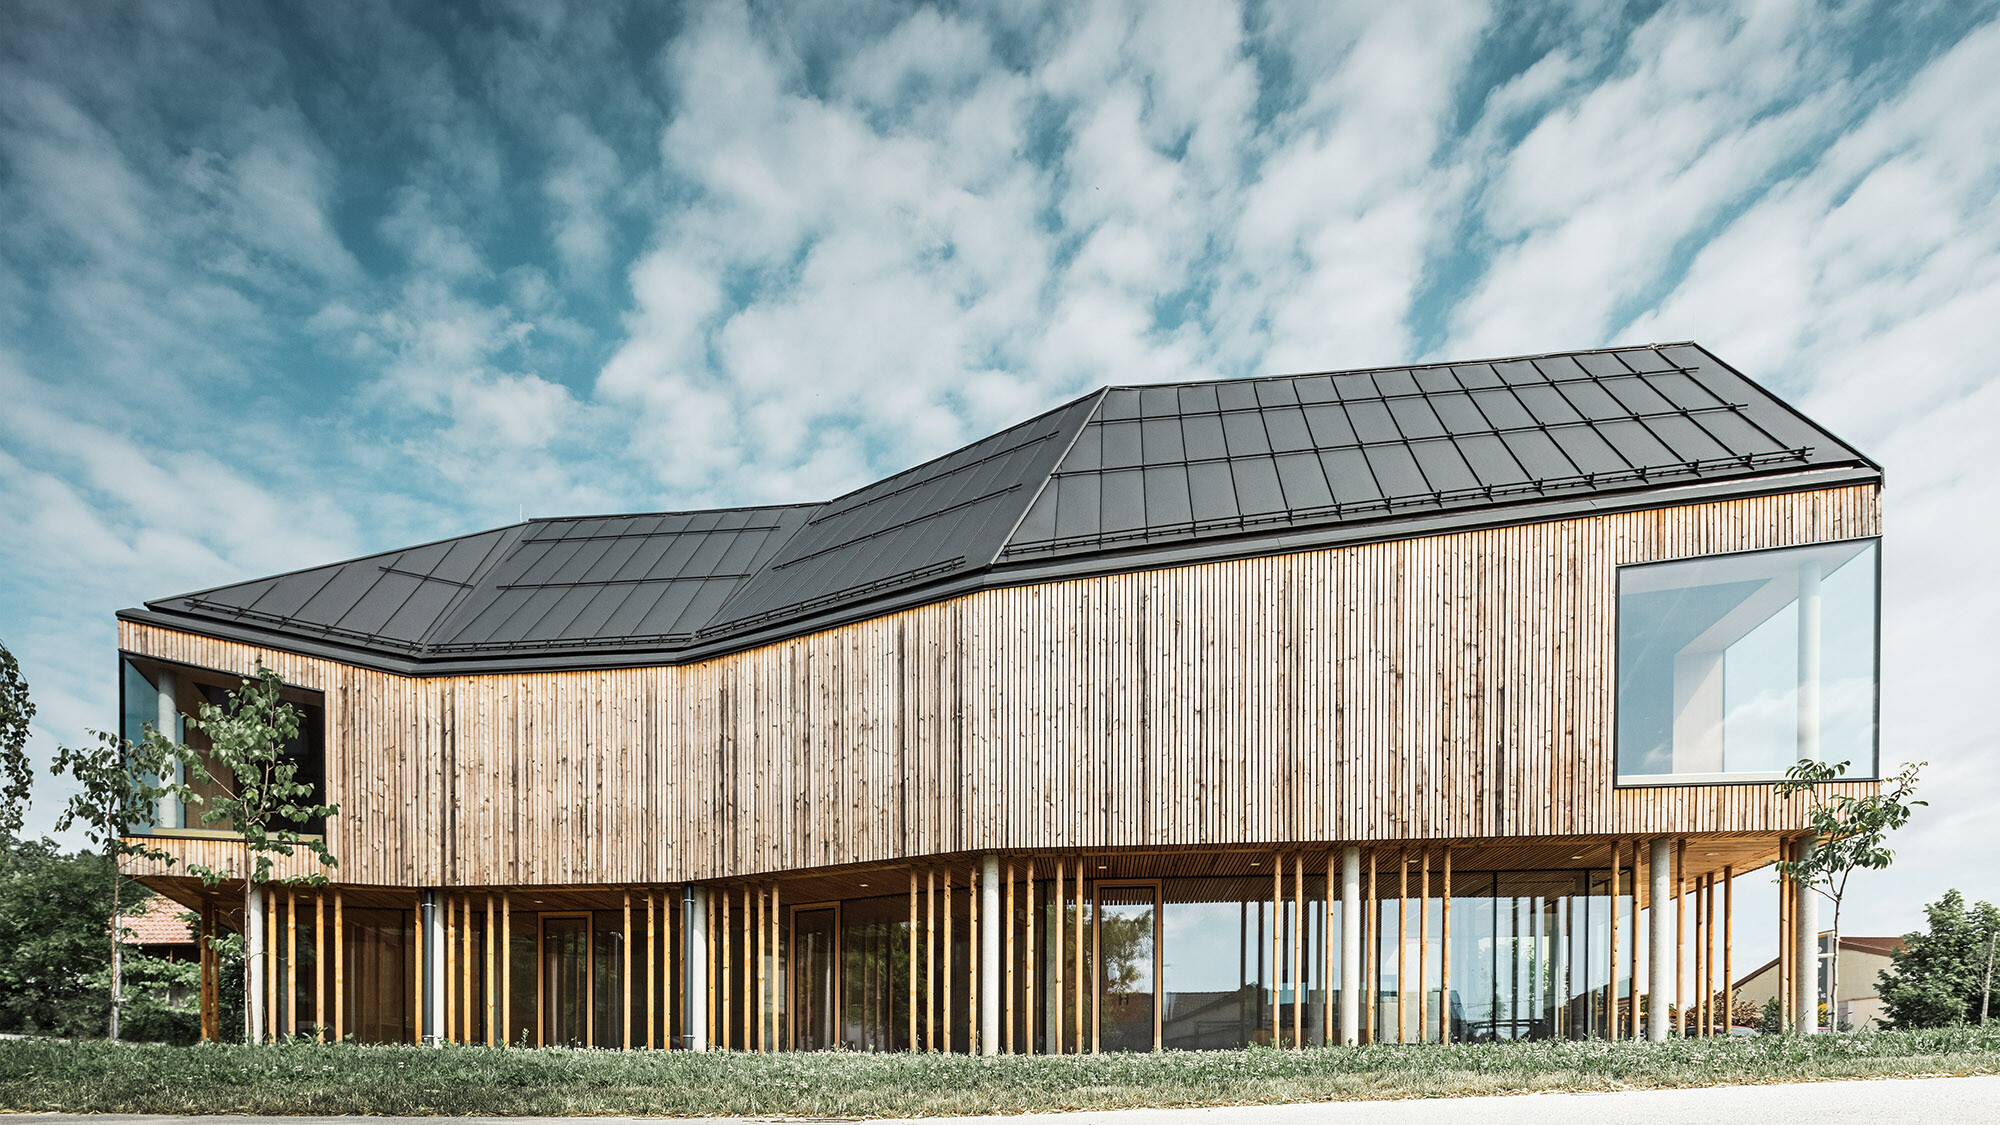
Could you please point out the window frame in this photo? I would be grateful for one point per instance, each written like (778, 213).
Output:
(1652, 781)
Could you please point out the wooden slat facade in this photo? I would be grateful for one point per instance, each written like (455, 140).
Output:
(1450, 687)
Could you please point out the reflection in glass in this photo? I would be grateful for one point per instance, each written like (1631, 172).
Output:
(1125, 941)
(1736, 666)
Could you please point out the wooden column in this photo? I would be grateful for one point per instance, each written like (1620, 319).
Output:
(1404, 860)
(291, 963)
(1786, 941)
(947, 951)
(1711, 936)
(1007, 958)
(1728, 949)
(1081, 990)
(777, 965)
(1444, 957)
(1424, 951)
(1371, 942)
(972, 962)
(727, 1017)
(930, 960)
(465, 966)
(652, 990)
(1327, 975)
(763, 931)
(506, 969)
(491, 941)
(912, 933)
(1058, 932)
(1298, 956)
(1277, 913)
(319, 967)
(417, 975)
(1638, 931)
(1028, 964)
(1680, 938)
(1611, 1019)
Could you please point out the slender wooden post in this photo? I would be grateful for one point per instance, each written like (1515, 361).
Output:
(1081, 991)
(1444, 957)
(1277, 913)
(1327, 976)
(1638, 932)
(1057, 932)
(417, 976)
(652, 1009)
(1424, 951)
(319, 967)
(491, 1007)
(1298, 952)
(1680, 938)
(292, 963)
(1402, 944)
(1028, 964)
(930, 960)
(912, 934)
(947, 951)
(1710, 938)
(763, 932)
(1786, 941)
(1728, 949)
(1007, 957)
(728, 1013)
(506, 969)
(1611, 1017)
(465, 965)
(973, 986)
(1371, 919)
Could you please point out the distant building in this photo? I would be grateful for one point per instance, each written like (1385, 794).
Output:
(1862, 960)
(161, 929)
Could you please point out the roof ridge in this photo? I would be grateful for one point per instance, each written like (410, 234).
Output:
(1007, 540)
(1607, 350)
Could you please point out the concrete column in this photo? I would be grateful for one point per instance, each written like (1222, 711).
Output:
(990, 1001)
(1350, 945)
(432, 944)
(1805, 932)
(254, 928)
(1660, 947)
(170, 814)
(694, 976)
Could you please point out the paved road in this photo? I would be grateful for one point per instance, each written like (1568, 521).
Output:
(1907, 1101)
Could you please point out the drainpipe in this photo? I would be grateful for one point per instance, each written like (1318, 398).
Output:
(990, 999)
(1350, 945)
(1659, 950)
(694, 923)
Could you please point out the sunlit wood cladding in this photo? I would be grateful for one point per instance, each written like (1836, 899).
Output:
(1450, 687)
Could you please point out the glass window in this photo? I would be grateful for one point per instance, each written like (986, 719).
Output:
(1734, 667)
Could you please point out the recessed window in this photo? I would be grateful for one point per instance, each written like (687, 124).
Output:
(1734, 667)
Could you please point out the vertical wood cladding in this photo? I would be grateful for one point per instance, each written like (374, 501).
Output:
(1451, 686)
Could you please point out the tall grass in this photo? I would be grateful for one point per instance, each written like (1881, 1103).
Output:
(95, 1077)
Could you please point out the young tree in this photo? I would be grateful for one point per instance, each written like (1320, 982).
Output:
(1939, 976)
(1848, 834)
(16, 775)
(261, 799)
(118, 786)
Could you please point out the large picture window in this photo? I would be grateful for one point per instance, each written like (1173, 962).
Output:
(1734, 667)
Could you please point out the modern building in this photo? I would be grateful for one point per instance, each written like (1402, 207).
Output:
(1863, 960)
(1396, 704)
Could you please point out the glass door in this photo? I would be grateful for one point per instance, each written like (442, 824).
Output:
(565, 991)
(815, 988)
(1127, 955)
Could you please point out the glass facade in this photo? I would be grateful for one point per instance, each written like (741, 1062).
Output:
(1735, 667)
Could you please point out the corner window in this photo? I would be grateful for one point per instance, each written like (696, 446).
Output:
(1734, 667)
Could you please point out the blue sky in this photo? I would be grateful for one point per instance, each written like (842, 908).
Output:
(285, 284)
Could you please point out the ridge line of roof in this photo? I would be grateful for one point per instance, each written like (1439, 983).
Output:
(351, 559)
(1055, 466)
(1607, 350)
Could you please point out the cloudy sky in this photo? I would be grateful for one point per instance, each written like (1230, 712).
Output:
(280, 285)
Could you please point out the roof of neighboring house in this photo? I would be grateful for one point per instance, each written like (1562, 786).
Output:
(159, 922)
(1879, 946)
(1121, 479)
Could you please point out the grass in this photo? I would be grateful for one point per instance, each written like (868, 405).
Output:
(96, 1077)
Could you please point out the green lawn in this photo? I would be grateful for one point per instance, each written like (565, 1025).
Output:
(104, 1078)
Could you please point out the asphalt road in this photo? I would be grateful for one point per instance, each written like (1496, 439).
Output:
(1905, 1101)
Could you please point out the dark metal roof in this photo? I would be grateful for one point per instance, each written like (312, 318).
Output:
(1124, 477)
